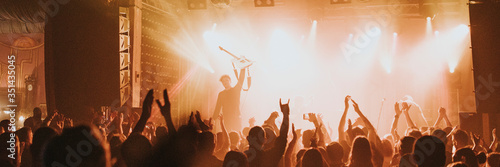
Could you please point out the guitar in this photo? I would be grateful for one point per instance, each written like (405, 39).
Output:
(240, 62)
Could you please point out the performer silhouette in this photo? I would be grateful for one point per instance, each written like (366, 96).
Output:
(229, 101)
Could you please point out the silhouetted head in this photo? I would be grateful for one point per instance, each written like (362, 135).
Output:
(41, 137)
(226, 81)
(406, 145)
(234, 137)
(115, 142)
(429, 151)
(460, 139)
(299, 156)
(481, 158)
(312, 158)
(256, 137)
(136, 150)
(245, 131)
(467, 156)
(493, 159)
(415, 133)
(78, 146)
(235, 159)
(335, 152)
(37, 113)
(207, 143)
(386, 149)
(161, 131)
(9, 144)
(5, 124)
(361, 152)
(25, 135)
(441, 134)
(356, 131)
(306, 138)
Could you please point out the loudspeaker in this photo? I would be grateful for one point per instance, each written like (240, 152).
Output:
(471, 122)
(485, 37)
(82, 58)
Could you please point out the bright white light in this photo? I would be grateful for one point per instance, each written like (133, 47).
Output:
(386, 63)
(428, 27)
(312, 33)
(21, 119)
(395, 34)
(463, 28)
(214, 26)
(436, 33)
(452, 65)
(283, 50)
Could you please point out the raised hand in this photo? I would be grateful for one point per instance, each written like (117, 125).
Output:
(191, 119)
(293, 131)
(146, 105)
(406, 106)
(346, 101)
(494, 134)
(165, 109)
(442, 111)
(312, 118)
(397, 109)
(355, 105)
(285, 109)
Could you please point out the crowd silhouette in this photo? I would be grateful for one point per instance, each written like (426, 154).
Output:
(55, 142)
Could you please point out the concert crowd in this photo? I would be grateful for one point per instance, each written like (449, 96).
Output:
(54, 141)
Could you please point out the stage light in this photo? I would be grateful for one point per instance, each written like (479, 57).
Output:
(428, 28)
(436, 33)
(214, 26)
(395, 34)
(312, 32)
(463, 28)
(263, 3)
(452, 65)
(197, 4)
(21, 119)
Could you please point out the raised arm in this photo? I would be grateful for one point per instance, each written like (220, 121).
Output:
(165, 112)
(280, 143)
(440, 117)
(241, 79)
(409, 122)
(342, 119)
(394, 126)
(372, 133)
(146, 112)
(445, 117)
(494, 142)
(289, 150)
(202, 124)
(422, 113)
(285, 109)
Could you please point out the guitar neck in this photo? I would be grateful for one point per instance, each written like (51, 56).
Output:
(234, 56)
